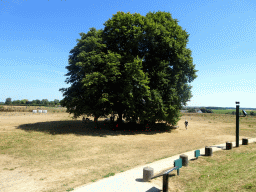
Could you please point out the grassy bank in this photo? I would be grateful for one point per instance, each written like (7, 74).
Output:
(226, 170)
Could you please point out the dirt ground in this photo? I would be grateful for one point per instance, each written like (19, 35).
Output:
(46, 154)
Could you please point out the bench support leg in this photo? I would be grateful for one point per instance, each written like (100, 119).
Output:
(165, 182)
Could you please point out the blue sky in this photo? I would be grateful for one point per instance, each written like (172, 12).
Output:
(37, 36)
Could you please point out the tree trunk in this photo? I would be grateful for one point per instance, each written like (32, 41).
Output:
(96, 122)
(120, 116)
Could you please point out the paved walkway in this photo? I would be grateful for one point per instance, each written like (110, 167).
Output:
(132, 180)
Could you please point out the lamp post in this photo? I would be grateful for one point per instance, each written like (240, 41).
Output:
(237, 122)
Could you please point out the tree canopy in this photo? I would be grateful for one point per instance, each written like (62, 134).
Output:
(8, 101)
(137, 66)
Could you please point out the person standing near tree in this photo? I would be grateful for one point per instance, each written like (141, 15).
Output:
(186, 124)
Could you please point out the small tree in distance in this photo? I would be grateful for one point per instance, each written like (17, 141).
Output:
(8, 101)
(191, 110)
(252, 113)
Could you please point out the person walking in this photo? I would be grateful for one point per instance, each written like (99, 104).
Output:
(186, 124)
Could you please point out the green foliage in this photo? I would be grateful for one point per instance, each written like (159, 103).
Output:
(8, 101)
(56, 101)
(99, 72)
(137, 66)
(204, 110)
(252, 113)
(37, 102)
(45, 102)
(16, 102)
(52, 103)
(191, 110)
(23, 101)
(232, 111)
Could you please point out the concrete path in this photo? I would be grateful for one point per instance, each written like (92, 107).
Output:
(132, 180)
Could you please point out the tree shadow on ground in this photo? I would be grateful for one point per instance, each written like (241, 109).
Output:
(90, 129)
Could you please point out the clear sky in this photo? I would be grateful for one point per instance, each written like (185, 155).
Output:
(37, 36)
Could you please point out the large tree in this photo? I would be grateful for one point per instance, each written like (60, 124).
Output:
(95, 76)
(134, 59)
(162, 42)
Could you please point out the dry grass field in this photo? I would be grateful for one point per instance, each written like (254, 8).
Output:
(53, 153)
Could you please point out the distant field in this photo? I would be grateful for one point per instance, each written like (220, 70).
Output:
(229, 111)
(6, 108)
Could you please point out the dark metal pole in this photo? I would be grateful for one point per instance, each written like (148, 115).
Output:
(165, 182)
(237, 124)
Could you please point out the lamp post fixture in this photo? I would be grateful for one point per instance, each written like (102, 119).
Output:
(237, 122)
